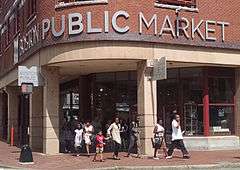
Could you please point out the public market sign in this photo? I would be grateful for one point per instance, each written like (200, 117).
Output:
(73, 25)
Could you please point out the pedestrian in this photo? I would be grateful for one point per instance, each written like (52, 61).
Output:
(134, 139)
(78, 138)
(114, 132)
(124, 133)
(68, 136)
(88, 131)
(177, 139)
(159, 140)
(99, 146)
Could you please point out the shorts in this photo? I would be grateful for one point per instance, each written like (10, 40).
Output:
(158, 142)
(99, 149)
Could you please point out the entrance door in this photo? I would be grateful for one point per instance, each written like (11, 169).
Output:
(23, 119)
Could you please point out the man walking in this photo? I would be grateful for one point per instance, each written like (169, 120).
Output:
(177, 139)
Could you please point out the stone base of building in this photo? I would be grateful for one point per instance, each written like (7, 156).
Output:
(212, 143)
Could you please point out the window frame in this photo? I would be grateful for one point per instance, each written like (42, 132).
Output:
(186, 3)
(62, 4)
(177, 5)
(31, 8)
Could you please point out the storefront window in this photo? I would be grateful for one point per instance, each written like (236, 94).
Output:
(192, 90)
(221, 101)
(69, 101)
(183, 91)
(221, 90)
(221, 118)
(114, 93)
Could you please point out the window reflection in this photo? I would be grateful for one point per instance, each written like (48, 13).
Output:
(221, 90)
(220, 120)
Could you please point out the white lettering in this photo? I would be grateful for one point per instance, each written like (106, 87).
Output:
(167, 27)
(114, 21)
(77, 17)
(90, 29)
(210, 30)
(142, 20)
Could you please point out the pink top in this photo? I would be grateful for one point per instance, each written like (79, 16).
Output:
(99, 140)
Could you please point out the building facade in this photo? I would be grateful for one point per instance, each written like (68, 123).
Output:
(94, 60)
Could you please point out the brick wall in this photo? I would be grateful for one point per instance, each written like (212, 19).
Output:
(208, 10)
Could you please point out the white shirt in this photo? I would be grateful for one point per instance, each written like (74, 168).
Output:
(78, 137)
(176, 132)
(160, 130)
(88, 129)
(114, 131)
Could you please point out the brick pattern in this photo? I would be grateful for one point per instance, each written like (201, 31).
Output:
(208, 9)
(69, 161)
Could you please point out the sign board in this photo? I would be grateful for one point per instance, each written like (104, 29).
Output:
(159, 69)
(27, 88)
(26, 75)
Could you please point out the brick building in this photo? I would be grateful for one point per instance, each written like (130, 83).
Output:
(94, 61)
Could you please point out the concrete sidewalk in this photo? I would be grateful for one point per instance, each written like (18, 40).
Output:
(231, 166)
(229, 159)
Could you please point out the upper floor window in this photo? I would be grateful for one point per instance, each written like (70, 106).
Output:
(69, 3)
(187, 3)
(31, 8)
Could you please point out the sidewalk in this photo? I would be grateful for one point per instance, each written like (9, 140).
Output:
(10, 155)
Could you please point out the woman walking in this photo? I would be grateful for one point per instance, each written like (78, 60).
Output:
(114, 132)
(159, 140)
(88, 131)
(134, 139)
(78, 138)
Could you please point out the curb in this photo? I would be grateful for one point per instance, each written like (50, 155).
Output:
(219, 166)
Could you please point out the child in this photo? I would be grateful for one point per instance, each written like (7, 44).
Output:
(99, 146)
(78, 138)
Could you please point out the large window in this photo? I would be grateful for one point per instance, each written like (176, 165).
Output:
(221, 119)
(70, 3)
(221, 101)
(221, 89)
(184, 90)
(189, 3)
(31, 8)
(114, 93)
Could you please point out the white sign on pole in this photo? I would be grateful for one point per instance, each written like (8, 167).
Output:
(159, 69)
(26, 75)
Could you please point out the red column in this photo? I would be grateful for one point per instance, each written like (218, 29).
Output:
(205, 105)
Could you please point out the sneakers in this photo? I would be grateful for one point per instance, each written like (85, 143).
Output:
(186, 156)
(116, 158)
(155, 158)
(169, 157)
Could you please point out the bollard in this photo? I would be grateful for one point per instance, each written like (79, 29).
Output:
(12, 136)
(26, 155)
